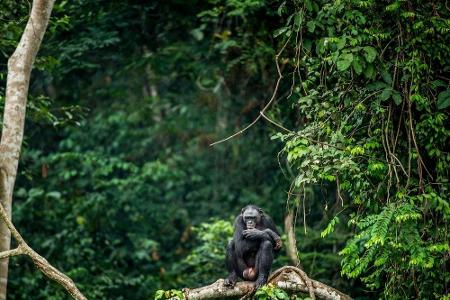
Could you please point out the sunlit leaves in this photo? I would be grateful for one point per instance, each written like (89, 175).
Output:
(344, 61)
(357, 66)
(376, 168)
(271, 292)
(372, 87)
(169, 294)
(357, 150)
(330, 227)
(393, 7)
(370, 54)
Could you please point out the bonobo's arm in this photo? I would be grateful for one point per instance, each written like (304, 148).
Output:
(253, 234)
(270, 232)
(275, 239)
(265, 234)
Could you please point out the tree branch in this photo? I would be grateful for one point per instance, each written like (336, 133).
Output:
(19, 71)
(41, 263)
(10, 253)
(287, 278)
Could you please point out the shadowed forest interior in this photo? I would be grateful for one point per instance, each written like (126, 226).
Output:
(119, 186)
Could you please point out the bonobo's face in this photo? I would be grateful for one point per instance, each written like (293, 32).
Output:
(251, 217)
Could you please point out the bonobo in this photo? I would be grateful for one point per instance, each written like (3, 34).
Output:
(250, 252)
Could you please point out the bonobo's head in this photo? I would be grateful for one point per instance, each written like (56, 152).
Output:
(251, 215)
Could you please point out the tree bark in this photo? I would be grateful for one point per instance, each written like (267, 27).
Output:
(292, 252)
(291, 243)
(19, 69)
(287, 278)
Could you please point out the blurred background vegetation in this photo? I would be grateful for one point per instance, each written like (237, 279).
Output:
(120, 188)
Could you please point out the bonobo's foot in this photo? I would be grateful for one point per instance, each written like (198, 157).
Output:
(231, 280)
(262, 280)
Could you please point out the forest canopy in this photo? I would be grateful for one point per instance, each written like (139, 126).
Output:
(348, 103)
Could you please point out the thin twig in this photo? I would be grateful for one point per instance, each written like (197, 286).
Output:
(275, 123)
(398, 127)
(275, 91)
(338, 189)
(387, 159)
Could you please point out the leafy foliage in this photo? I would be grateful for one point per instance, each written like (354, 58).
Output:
(170, 294)
(374, 120)
(208, 258)
(271, 292)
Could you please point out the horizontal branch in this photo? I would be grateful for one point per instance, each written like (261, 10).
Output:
(287, 278)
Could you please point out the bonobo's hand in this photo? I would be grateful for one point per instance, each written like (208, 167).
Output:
(251, 233)
(278, 244)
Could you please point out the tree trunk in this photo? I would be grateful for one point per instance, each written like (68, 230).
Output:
(19, 69)
(291, 243)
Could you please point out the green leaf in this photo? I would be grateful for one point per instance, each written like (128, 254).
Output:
(54, 194)
(341, 43)
(281, 8)
(357, 66)
(330, 227)
(369, 71)
(443, 100)
(370, 53)
(298, 19)
(344, 61)
(386, 94)
(438, 83)
(197, 34)
(393, 7)
(386, 77)
(311, 26)
(377, 85)
(320, 47)
(280, 31)
(397, 97)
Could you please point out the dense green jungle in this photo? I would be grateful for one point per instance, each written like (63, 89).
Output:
(120, 188)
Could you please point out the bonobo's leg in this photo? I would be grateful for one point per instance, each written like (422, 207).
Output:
(231, 262)
(264, 260)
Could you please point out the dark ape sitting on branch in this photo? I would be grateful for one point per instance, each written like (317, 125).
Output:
(250, 253)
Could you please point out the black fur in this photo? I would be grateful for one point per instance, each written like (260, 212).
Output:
(253, 248)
